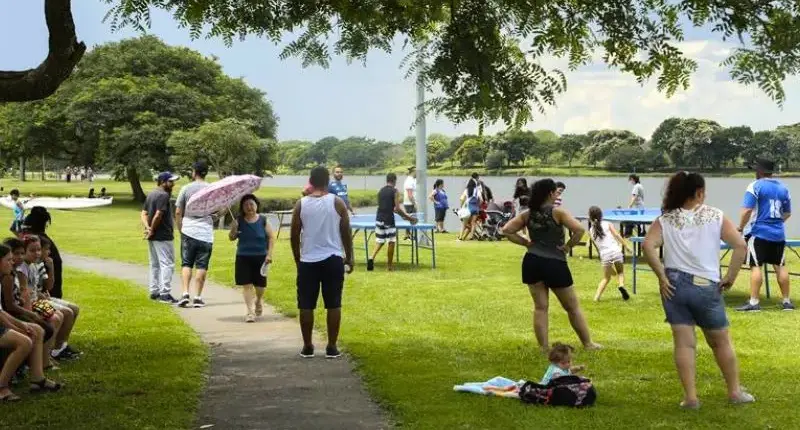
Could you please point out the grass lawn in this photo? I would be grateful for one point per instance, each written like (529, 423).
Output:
(417, 332)
(140, 370)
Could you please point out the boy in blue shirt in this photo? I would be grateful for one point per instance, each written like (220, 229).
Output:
(766, 207)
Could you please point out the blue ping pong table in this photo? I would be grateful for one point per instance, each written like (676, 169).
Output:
(366, 225)
(628, 216)
(637, 245)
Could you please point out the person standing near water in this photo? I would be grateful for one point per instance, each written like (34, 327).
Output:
(197, 239)
(440, 205)
(690, 282)
(544, 267)
(385, 230)
(253, 254)
(322, 248)
(769, 199)
(637, 193)
(339, 188)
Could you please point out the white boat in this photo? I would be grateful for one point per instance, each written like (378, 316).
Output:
(58, 202)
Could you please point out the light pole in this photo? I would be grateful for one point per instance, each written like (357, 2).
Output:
(422, 152)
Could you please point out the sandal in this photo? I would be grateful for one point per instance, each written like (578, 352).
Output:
(45, 385)
(10, 397)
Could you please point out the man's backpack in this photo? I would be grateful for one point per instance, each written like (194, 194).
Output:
(572, 391)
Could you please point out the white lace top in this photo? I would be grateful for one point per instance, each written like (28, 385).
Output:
(692, 240)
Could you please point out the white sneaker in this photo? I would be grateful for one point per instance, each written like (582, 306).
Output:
(742, 398)
(250, 318)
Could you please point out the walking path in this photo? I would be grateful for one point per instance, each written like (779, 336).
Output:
(257, 379)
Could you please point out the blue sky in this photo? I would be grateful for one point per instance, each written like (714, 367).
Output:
(377, 101)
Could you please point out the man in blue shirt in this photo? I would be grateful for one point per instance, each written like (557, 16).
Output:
(766, 208)
(339, 188)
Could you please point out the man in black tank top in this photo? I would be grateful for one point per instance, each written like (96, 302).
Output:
(385, 230)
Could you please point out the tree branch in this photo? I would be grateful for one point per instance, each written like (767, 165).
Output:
(64, 53)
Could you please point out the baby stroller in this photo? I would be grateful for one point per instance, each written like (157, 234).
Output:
(496, 218)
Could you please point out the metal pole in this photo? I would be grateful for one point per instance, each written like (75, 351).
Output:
(422, 154)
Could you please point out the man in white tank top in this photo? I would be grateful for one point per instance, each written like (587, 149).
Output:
(323, 251)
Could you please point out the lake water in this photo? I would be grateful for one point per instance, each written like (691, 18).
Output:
(582, 192)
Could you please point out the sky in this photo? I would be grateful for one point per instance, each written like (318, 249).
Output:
(377, 101)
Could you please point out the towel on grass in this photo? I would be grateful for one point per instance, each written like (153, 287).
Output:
(497, 386)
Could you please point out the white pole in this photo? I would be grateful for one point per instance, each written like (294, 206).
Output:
(422, 154)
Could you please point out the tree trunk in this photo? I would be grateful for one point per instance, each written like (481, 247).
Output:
(44, 170)
(136, 185)
(22, 169)
(64, 53)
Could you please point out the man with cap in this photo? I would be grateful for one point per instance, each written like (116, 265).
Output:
(767, 206)
(158, 230)
(197, 239)
(409, 190)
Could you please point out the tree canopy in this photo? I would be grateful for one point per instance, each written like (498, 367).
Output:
(484, 55)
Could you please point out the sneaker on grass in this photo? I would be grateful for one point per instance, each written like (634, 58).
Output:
(167, 298)
(154, 296)
(747, 307)
(742, 398)
(787, 306)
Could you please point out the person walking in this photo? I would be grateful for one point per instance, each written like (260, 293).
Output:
(385, 230)
(768, 204)
(157, 220)
(440, 205)
(322, 249)
(19, 213)
(197, 240)
(544, 267)
(690, 283)
(339, 188)
(256, 240)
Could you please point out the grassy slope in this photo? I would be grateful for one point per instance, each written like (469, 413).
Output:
(140, 369)
(417, 332)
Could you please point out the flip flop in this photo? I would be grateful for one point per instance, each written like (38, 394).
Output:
(11, 398)
(45, 385)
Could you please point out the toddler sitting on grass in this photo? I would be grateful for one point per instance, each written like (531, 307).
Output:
(560, 363)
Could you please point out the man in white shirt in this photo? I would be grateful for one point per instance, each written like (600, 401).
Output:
(409, 190)
(197, 239)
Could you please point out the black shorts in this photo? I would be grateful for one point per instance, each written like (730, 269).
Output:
(440, 214)
(248, 270)
(195, 253)
(327, 275)
(760, 252)
(410, 209)
(553, 273)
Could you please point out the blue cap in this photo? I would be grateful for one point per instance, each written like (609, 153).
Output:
(166, 176)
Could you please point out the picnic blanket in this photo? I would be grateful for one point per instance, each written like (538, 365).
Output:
(497, 386)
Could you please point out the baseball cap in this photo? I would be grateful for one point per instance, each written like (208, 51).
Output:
(763, 165)
(166, 176)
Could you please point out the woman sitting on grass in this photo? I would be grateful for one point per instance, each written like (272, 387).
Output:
(609, 244)
(21, 341)
(689, 279)
(544, 267)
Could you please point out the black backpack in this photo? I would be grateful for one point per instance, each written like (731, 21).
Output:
(572, 391)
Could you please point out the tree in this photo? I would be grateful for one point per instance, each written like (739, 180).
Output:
(437, 146)
(471, 152)
(357, 152)
(571, 145)
(517, 145)
(662, 138)
(320, 151)
(626, 158)
(728, 144)
(472, 47)
(495, 160)
(768, 144)
(229, 146)
(296, 156)
(603, 143)
(547, 144)
(128, 97)
(693, 141)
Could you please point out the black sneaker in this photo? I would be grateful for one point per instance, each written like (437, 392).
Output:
(332, 352)
(66, 355)
(307, 352)
(747, 307)
(184, 301)
(154, 296)
(787, 306)
(370, 265)
(624, 292)
(167, 298)
(198, 302)
(73, 351)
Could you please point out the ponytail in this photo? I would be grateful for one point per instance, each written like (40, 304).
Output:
(596, 219)
(681, 187)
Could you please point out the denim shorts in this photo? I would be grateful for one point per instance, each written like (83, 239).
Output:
(696, 301)
(195, 253)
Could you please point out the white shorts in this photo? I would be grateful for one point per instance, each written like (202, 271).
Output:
(384, 233)
(611, 258)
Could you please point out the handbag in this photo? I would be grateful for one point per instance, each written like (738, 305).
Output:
(464, 212)
(44, 308)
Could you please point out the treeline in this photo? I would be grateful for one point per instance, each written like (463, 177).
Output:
(676, 143)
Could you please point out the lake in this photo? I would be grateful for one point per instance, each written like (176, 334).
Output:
(582, 192)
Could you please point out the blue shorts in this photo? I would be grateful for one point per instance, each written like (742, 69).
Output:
(195, 254)
(697, 301)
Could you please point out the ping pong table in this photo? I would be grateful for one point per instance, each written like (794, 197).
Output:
(625, 216)
(366, 225)
(637, 246)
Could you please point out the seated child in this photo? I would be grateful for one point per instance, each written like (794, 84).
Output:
(560, 363)
(44, 269)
